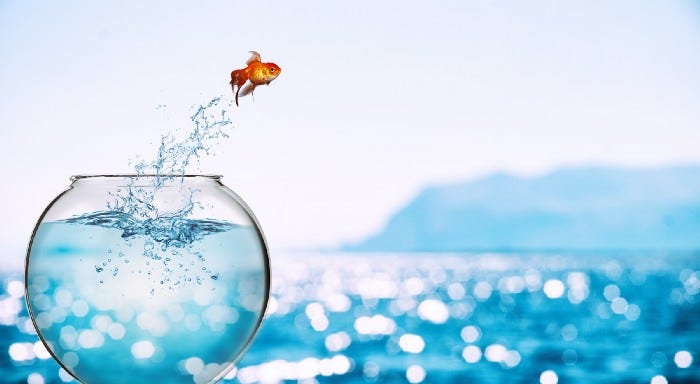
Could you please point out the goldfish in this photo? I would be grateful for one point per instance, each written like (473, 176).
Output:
(255, 73)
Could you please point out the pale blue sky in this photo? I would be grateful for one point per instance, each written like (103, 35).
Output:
(376, 99)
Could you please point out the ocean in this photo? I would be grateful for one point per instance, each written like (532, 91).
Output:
(551, 317)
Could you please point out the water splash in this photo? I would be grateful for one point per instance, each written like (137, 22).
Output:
(169, 231)
(134, 209)
(210, 123)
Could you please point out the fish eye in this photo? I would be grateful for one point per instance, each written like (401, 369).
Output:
(272, 69)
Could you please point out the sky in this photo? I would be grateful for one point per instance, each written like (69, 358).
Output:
(376, 100)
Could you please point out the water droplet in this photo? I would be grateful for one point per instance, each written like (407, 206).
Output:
(148, 245)
(199, 280)
(98, 269)
(215, 276)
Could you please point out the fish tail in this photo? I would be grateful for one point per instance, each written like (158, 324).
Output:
(238, 78)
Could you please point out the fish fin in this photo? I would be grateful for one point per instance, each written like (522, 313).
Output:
(233, 89)
(247, 89)
(253, 57)
(238, 78)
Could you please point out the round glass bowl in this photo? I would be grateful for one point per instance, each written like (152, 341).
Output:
(151, 279)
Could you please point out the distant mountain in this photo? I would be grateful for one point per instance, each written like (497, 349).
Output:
(578, 209)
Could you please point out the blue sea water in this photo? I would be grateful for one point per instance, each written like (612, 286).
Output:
(442, 318)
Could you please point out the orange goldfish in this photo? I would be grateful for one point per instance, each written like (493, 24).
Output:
(256, 73)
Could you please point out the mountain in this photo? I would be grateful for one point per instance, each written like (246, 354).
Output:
(589, 208)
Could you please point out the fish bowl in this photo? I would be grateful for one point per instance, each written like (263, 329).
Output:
(147, 278)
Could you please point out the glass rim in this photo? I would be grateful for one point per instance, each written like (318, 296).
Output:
(145, 175)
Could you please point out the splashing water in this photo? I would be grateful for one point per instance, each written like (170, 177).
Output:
(133, 209)
(210, 123)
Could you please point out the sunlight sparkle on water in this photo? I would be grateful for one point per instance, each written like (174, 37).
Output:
(569, 332)
(375, 325)
(116, 331)
(21, 351)
(482, 290)
(495, 353)
(683, 359)
(70, 359)
(549, 377)
(414, 286)
(337, 302)
(35, 378)
(337, 341)
(471, 354)
(308, 368)
(90, 339)
(65, 376)
(611, 292)
(415, 374)
(553, 288)
(456, 291)
(411, 343)
(470, 334)
(15, 289)
(370, 370)
(193, 365)
(434, 311)
(40, 351)
(142, 349)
